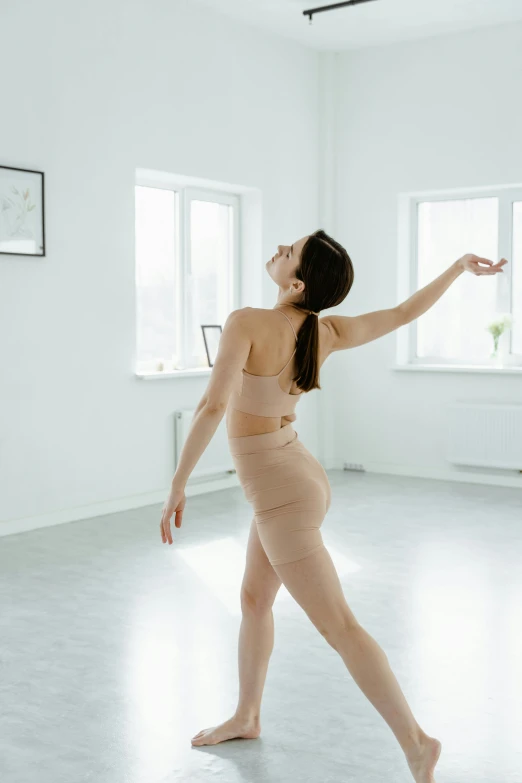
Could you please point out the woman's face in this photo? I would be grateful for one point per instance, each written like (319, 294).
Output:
(283, 264)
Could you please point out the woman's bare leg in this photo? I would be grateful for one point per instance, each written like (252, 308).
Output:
(314, 584)
(256, 641)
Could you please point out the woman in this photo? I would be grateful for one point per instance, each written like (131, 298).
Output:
(287, 487)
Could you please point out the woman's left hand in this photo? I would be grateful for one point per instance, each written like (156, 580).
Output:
(174, 504)
(480, 266)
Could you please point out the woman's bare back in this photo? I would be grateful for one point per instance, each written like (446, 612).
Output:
(272, 344)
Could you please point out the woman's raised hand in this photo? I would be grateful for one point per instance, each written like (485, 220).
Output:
(480, 266)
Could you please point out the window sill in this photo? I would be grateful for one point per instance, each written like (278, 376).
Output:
(469, 368)
(161, 375)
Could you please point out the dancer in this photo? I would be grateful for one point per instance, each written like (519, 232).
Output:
(285, 484)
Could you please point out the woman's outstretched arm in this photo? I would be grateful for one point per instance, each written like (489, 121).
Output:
(348, 332)
(426, 297)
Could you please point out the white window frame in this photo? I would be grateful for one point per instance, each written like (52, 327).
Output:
(408, 268)
(184, 195)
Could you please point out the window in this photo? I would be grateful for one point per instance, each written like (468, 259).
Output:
(187, 272)
(444, 228)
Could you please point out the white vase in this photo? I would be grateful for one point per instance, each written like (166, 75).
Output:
(499, 360)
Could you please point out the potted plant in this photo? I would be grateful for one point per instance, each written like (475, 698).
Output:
(496, 328)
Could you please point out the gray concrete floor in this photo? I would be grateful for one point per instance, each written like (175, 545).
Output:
(116, 649)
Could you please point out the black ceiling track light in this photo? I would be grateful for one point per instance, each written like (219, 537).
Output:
(312, 11)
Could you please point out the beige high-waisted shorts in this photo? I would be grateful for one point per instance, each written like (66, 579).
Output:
(288, 489)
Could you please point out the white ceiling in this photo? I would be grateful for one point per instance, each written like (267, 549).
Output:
(370, 24)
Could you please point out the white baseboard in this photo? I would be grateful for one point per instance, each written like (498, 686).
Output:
(61, 517)
(463, 476)
(331, 463)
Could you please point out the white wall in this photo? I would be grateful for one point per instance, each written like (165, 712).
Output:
(93, 91)
(97, 90)
(441, 113)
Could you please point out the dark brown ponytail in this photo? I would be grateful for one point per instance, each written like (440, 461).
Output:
(327, 272)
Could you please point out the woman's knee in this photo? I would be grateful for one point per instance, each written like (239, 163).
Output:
(256, 601)
(338, 627)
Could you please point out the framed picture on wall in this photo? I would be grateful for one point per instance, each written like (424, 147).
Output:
(22, 217)
(211, 335)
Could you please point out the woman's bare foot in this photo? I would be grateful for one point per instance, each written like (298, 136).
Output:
(423, 758)
(230, 729)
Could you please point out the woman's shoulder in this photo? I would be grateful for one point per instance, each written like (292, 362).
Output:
(240, 314)
(245, 318)
(251, 314)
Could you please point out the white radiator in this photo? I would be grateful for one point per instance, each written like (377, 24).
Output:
(215, 460)
(485, 435)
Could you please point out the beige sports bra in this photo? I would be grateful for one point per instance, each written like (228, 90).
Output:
(262, 394)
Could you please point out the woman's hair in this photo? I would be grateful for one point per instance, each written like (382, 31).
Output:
(327, 272)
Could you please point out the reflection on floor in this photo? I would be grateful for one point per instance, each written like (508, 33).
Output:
(116, 649)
